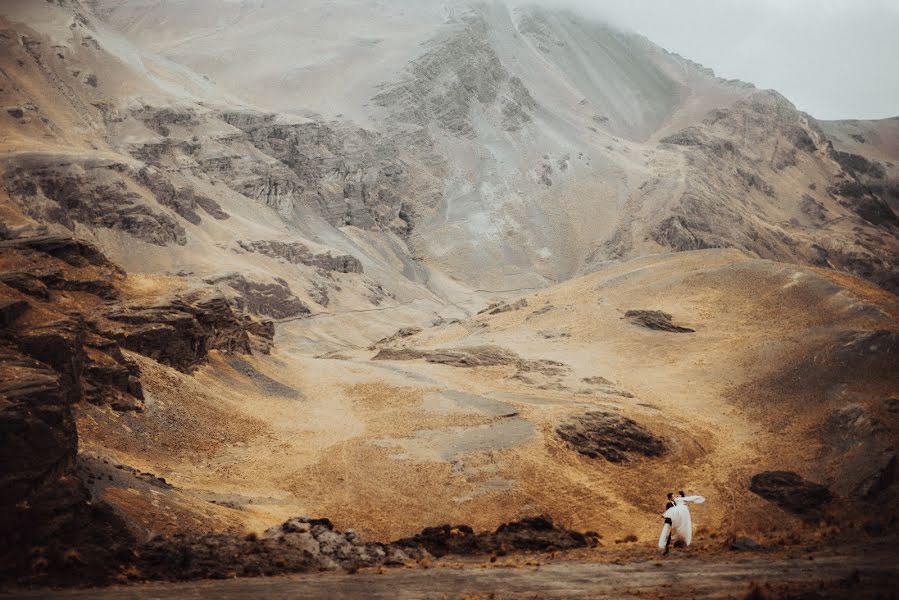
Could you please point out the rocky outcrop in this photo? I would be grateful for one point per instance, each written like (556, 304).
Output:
(302, 545)
(858, 165)
(49, 529)
(184, 201)
(742, 164)
(298, 545)
(471, 357)
(298, 254)
(270, 299)
(62, 344)
(609, 435)
(656, 320)
(80, 268)
(858, 452)
(181, 334)
(867, 351)
(532, 534)
(861, 199)
(160, 153)
(347, 175)
(71, 251)
(791, 492)
(92, 193)
(162, 120)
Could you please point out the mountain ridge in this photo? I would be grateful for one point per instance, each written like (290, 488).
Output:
(385, 301)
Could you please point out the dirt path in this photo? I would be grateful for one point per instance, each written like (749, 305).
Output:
(856, 576)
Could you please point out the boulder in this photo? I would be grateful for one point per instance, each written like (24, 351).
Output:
(532, 534)
(791, 492)
(656, 320)
(609, 435)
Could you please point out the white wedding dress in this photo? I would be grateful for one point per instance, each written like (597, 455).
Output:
(681, 527)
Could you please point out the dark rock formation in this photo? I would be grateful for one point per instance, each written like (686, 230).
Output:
(298, 254)
(687, 232)
(49, 529)
(858, 165)
(298, 545)
(54, 353)
(655, 319)
(532, 534)
(158, 153)
(40, 280)
(612, 436)
(791, 492)
(10, 310)
(181, 334)
(473, 356)
(859, 198)
(270, 299)
(184, 201)
(867, 351)
(71, 251)
(93, 193)
(26, 283)
(858, 449)
(161, 120)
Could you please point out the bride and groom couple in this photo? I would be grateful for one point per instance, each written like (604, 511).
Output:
(678, 528)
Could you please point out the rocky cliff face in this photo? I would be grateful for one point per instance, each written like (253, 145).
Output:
(91, 193)
(63, 334)
(349, 176)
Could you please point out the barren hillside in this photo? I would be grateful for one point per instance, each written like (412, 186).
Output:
(403, 264)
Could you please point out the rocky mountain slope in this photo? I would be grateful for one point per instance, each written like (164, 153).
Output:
(401, 264)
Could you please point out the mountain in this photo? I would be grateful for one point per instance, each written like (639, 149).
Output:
(399, 264)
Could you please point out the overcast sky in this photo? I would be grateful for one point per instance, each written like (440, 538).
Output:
(835, 59)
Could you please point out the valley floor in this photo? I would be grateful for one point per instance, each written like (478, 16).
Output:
(854, 574)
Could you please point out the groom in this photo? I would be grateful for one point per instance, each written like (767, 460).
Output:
(666, 529)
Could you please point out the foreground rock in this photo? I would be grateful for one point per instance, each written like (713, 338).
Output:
(791, 492)
(298, 545)
(48, 526)
(532, 534)
(610, 435)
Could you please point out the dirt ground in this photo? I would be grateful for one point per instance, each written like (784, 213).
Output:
(811, 575)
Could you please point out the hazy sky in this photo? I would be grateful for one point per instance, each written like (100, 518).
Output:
(835, 59)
